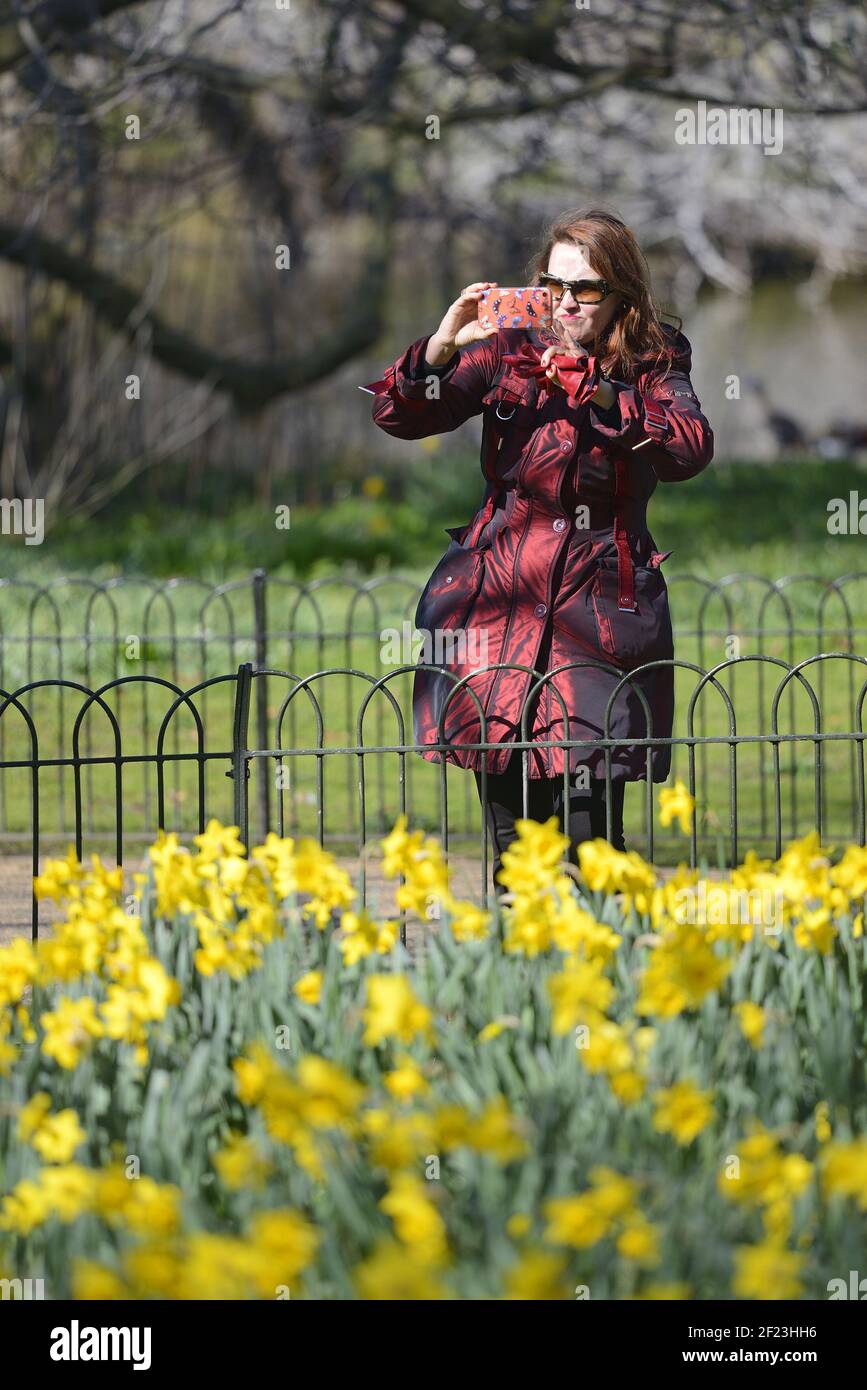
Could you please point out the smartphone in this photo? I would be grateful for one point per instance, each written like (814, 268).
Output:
(527, 306)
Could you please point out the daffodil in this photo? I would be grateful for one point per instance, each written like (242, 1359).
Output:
(392, 1271)
(498, 1132)
(24, 1208)
(361, 936)
(822, 1122)
(58, 1137)
(763, 1173)
(95, 1282)
(398, 1141)
(393, 1011)
(638, 1242)
(284, 1242)
(682, 1111)
(70, 1031)
(579, 994)
(417, 1222)
(240, 1164)
(406, 1081)
(537, 1276)
(752, 1018)
(844, 1170)
(18, 970)
(329, 1096)
(252, 1073)
(682, 971)
(467, 921)
(33, 1114)
(575, 1221)
(309, 987)
(767, 1271)
(70, 1190)
(492, 1030)
(675, 803)
(530, 863)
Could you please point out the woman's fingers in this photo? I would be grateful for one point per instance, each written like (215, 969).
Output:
(548, 363)
(473, 331)
(476, 290)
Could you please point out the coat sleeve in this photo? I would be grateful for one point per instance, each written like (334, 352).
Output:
(661, 416)
(401, 404)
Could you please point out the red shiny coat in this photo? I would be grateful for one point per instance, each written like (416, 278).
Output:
(557, 569)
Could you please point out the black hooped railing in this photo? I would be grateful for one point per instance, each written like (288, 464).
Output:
(192, 746)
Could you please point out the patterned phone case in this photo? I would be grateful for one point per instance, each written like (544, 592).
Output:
(526, 307)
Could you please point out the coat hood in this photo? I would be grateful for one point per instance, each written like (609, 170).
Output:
(679, 346)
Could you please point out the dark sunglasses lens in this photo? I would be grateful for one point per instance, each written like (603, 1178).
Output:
(589, 292)
(549, 282)
(583, 291)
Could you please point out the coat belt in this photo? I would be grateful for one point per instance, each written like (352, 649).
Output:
(625, 569)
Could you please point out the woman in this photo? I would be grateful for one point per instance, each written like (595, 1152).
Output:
(557, 571)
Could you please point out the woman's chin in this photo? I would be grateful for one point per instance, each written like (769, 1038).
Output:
(577, 340)
(573, 334)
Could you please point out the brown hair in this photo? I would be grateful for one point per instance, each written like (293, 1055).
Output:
(634, 339)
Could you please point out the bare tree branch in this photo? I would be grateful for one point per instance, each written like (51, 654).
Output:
(252, 384)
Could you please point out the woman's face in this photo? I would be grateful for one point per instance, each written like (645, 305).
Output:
(580, 323)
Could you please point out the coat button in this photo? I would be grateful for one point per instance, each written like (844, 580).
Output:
(449, 579)
(560, 524)
(540, 610)
(567, 448)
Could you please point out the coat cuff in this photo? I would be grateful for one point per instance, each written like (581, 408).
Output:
(631, 419)
(407, 377)
(421, 370)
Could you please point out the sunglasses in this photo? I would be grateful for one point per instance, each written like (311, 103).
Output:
(582, 291)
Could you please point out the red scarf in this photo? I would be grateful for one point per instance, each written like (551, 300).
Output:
(580, 376)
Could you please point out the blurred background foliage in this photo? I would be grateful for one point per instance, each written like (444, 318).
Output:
(155, 157)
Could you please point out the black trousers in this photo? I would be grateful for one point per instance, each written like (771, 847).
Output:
(585, 815)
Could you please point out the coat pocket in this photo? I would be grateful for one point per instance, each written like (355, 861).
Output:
(452, 589)
(627, 637)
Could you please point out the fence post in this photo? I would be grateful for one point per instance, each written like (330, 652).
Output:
(240, 761)
(260, 630)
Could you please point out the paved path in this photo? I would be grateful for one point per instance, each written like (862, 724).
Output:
(15, 890)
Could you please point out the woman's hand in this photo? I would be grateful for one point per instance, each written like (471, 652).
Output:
(460, 325)
(603, 395)
(548, 361)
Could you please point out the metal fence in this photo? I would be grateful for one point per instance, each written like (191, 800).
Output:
(77, 630)
(191, 625)
(784, 757)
